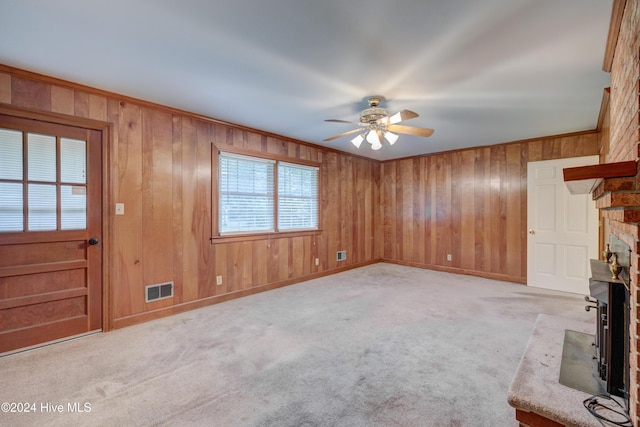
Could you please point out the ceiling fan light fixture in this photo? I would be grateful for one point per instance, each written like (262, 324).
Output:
(375, 124)
(357, 141)
(390, 137)
(374, 140)
(372, 137)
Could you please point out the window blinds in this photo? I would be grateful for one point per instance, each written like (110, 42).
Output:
(297, 197)
(246, 194)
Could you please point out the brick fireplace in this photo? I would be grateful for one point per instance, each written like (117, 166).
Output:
(616, 190)
(619, 202)
(619, 198)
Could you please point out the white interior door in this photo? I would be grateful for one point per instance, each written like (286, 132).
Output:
(563, 228)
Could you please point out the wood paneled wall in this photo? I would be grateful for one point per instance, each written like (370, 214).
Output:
(470, 203)
(161, 164)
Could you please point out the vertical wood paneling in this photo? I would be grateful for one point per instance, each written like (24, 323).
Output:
(456, 209)
(481, 204)
(81, 101)
(150, 259)
(418, 196)
(190, 238)
(406, 208)
(498, 220)
(297, 256)
(469, 203)
(177, 225)
(232, 275)
(467, 241)
(283, 259)
(388, 215)
(5, 88)
(63, 100)
(346, 207)
(433, 219)
(115, 275)
(535, 151)
(368, 215)
(443, 208)
(513, 238)
(157, 197)
(524, 159)
(221, 269)
(378, 224)
(273, 254)
(259, 257)
(128, 228)
(27, 93)
(97, 107)
(330, 212)
(246, 269)
(203, 203)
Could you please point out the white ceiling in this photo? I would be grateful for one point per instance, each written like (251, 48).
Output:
(477, 71)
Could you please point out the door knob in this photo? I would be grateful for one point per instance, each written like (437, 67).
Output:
(93, 241)
(532, 231)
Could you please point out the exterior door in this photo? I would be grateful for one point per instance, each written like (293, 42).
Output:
(563, 228)
(50, 232)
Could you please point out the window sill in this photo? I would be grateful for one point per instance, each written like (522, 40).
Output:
(263, 236)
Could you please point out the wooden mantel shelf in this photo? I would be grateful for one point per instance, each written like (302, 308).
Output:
(584, 179)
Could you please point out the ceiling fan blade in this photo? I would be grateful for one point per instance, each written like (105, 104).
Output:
(342, 134)
(401, 116)
(410, 130)
(398, 117)
(345, 121)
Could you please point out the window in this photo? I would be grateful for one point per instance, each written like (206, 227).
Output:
(43, 182)
(246, 194)
(250, 201)
(297, 197)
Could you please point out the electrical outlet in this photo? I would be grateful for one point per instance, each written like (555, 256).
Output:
(119, 208)
(218, 280)
(317, 261)
(448, 257)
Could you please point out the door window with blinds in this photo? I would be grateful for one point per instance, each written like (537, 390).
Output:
(43, 183)
(250, 201)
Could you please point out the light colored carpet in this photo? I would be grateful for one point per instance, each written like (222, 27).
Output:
(382, 345)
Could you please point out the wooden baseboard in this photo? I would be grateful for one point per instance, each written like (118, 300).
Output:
(486, 275)
(204, 302)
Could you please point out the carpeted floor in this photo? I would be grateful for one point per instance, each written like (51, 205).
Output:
(382, 345)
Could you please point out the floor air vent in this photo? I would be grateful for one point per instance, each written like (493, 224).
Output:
(159, 291)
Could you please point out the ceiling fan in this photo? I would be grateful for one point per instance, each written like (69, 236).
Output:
(376, 124)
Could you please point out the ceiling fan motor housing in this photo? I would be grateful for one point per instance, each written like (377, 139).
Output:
(372, 114)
